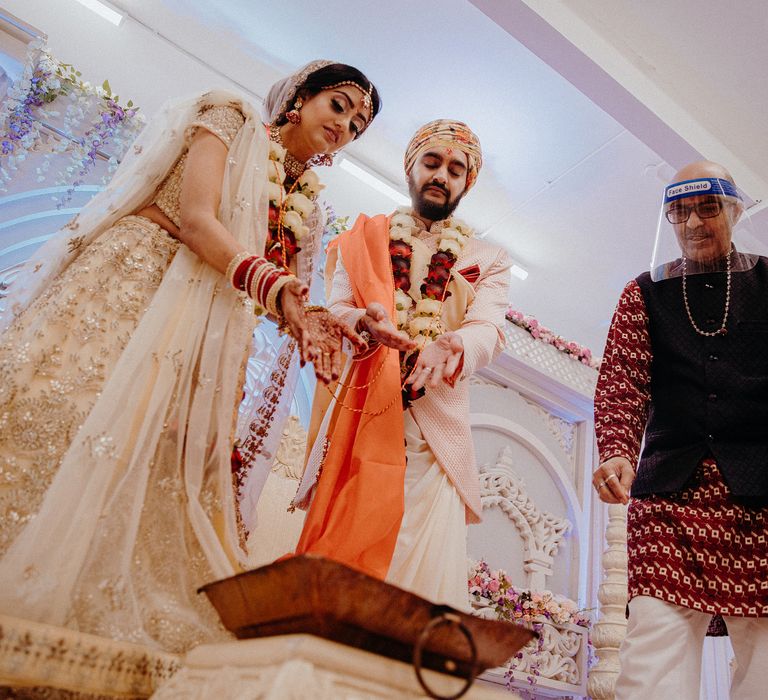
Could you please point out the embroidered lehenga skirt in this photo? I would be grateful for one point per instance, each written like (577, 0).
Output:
(55, 359)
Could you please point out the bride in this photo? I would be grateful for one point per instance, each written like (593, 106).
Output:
(122, 356)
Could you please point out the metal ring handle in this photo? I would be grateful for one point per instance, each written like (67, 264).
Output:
(444, 619)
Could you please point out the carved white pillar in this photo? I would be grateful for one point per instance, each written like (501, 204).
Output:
(611, 627)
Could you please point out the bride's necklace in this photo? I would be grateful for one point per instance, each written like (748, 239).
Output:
(293, 166)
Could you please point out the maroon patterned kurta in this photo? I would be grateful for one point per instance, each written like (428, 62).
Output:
(697, 548)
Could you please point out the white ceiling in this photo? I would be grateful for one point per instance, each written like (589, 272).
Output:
(581, 106)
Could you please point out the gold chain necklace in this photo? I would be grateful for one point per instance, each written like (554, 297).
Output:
(722, 330)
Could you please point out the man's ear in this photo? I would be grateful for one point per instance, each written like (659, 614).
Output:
(735, 212)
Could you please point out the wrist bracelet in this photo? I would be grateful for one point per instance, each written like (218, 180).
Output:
(234, 264)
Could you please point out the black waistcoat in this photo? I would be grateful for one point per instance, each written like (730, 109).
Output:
(709, 395)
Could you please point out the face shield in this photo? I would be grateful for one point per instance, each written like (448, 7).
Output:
(703, 227)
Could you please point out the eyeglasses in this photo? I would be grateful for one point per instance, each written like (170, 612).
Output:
(679, 213)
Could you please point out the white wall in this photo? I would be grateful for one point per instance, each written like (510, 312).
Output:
(139, 64)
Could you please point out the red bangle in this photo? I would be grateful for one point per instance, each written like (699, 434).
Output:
(266, 281)
(252, 272)
(238, 279)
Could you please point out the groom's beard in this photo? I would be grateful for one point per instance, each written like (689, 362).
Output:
(432, 211)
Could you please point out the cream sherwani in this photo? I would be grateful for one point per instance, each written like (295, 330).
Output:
(441, 482)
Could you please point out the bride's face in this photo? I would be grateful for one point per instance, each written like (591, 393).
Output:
(332, 118)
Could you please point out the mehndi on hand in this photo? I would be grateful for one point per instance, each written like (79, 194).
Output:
(325, 334)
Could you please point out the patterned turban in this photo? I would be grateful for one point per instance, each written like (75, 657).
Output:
(453, 134)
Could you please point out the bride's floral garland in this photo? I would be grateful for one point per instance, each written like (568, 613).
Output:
(422, 322)
(291, 203)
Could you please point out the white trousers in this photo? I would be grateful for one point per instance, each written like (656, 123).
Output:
(661, 655)
(430, 556)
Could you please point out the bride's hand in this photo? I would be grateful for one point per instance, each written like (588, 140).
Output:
(293, 297)
(326, 335)
(319, 333)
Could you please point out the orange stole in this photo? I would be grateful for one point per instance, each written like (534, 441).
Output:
(358, 504)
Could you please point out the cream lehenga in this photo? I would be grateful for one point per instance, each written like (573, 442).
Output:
(120, 375)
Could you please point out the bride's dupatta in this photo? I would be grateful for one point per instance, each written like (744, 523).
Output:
(171, 396)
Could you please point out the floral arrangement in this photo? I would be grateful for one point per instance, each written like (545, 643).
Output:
(495, 589)
(334, 224)
(51, 91)
(576, 351)
(522, 605)
(290, 205)
(422, 321)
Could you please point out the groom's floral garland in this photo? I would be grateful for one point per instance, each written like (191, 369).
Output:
(290, 205)
(423, 324)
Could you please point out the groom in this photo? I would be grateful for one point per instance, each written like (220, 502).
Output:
(398, 480)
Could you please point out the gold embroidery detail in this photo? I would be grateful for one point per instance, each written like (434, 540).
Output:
(223, 121)
(49, 381)
(74, 244)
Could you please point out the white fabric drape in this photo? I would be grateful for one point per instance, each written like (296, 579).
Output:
(430, 556)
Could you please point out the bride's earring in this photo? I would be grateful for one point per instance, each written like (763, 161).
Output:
(293, 115)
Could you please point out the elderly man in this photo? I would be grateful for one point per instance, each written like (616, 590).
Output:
(398, 480)
(686, 368)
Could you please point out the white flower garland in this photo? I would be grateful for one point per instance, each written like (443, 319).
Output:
(422, 321)
(296, 207)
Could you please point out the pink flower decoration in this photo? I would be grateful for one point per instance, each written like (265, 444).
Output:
(539, 332)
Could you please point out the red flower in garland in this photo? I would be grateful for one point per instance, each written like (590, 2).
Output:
(401, 266)
(274, 217)
(400, 249)
(444, 259)
(291, 247)
(438, 274)
(403, 281)
(275, 254)
(435, 290)
(274, 247)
